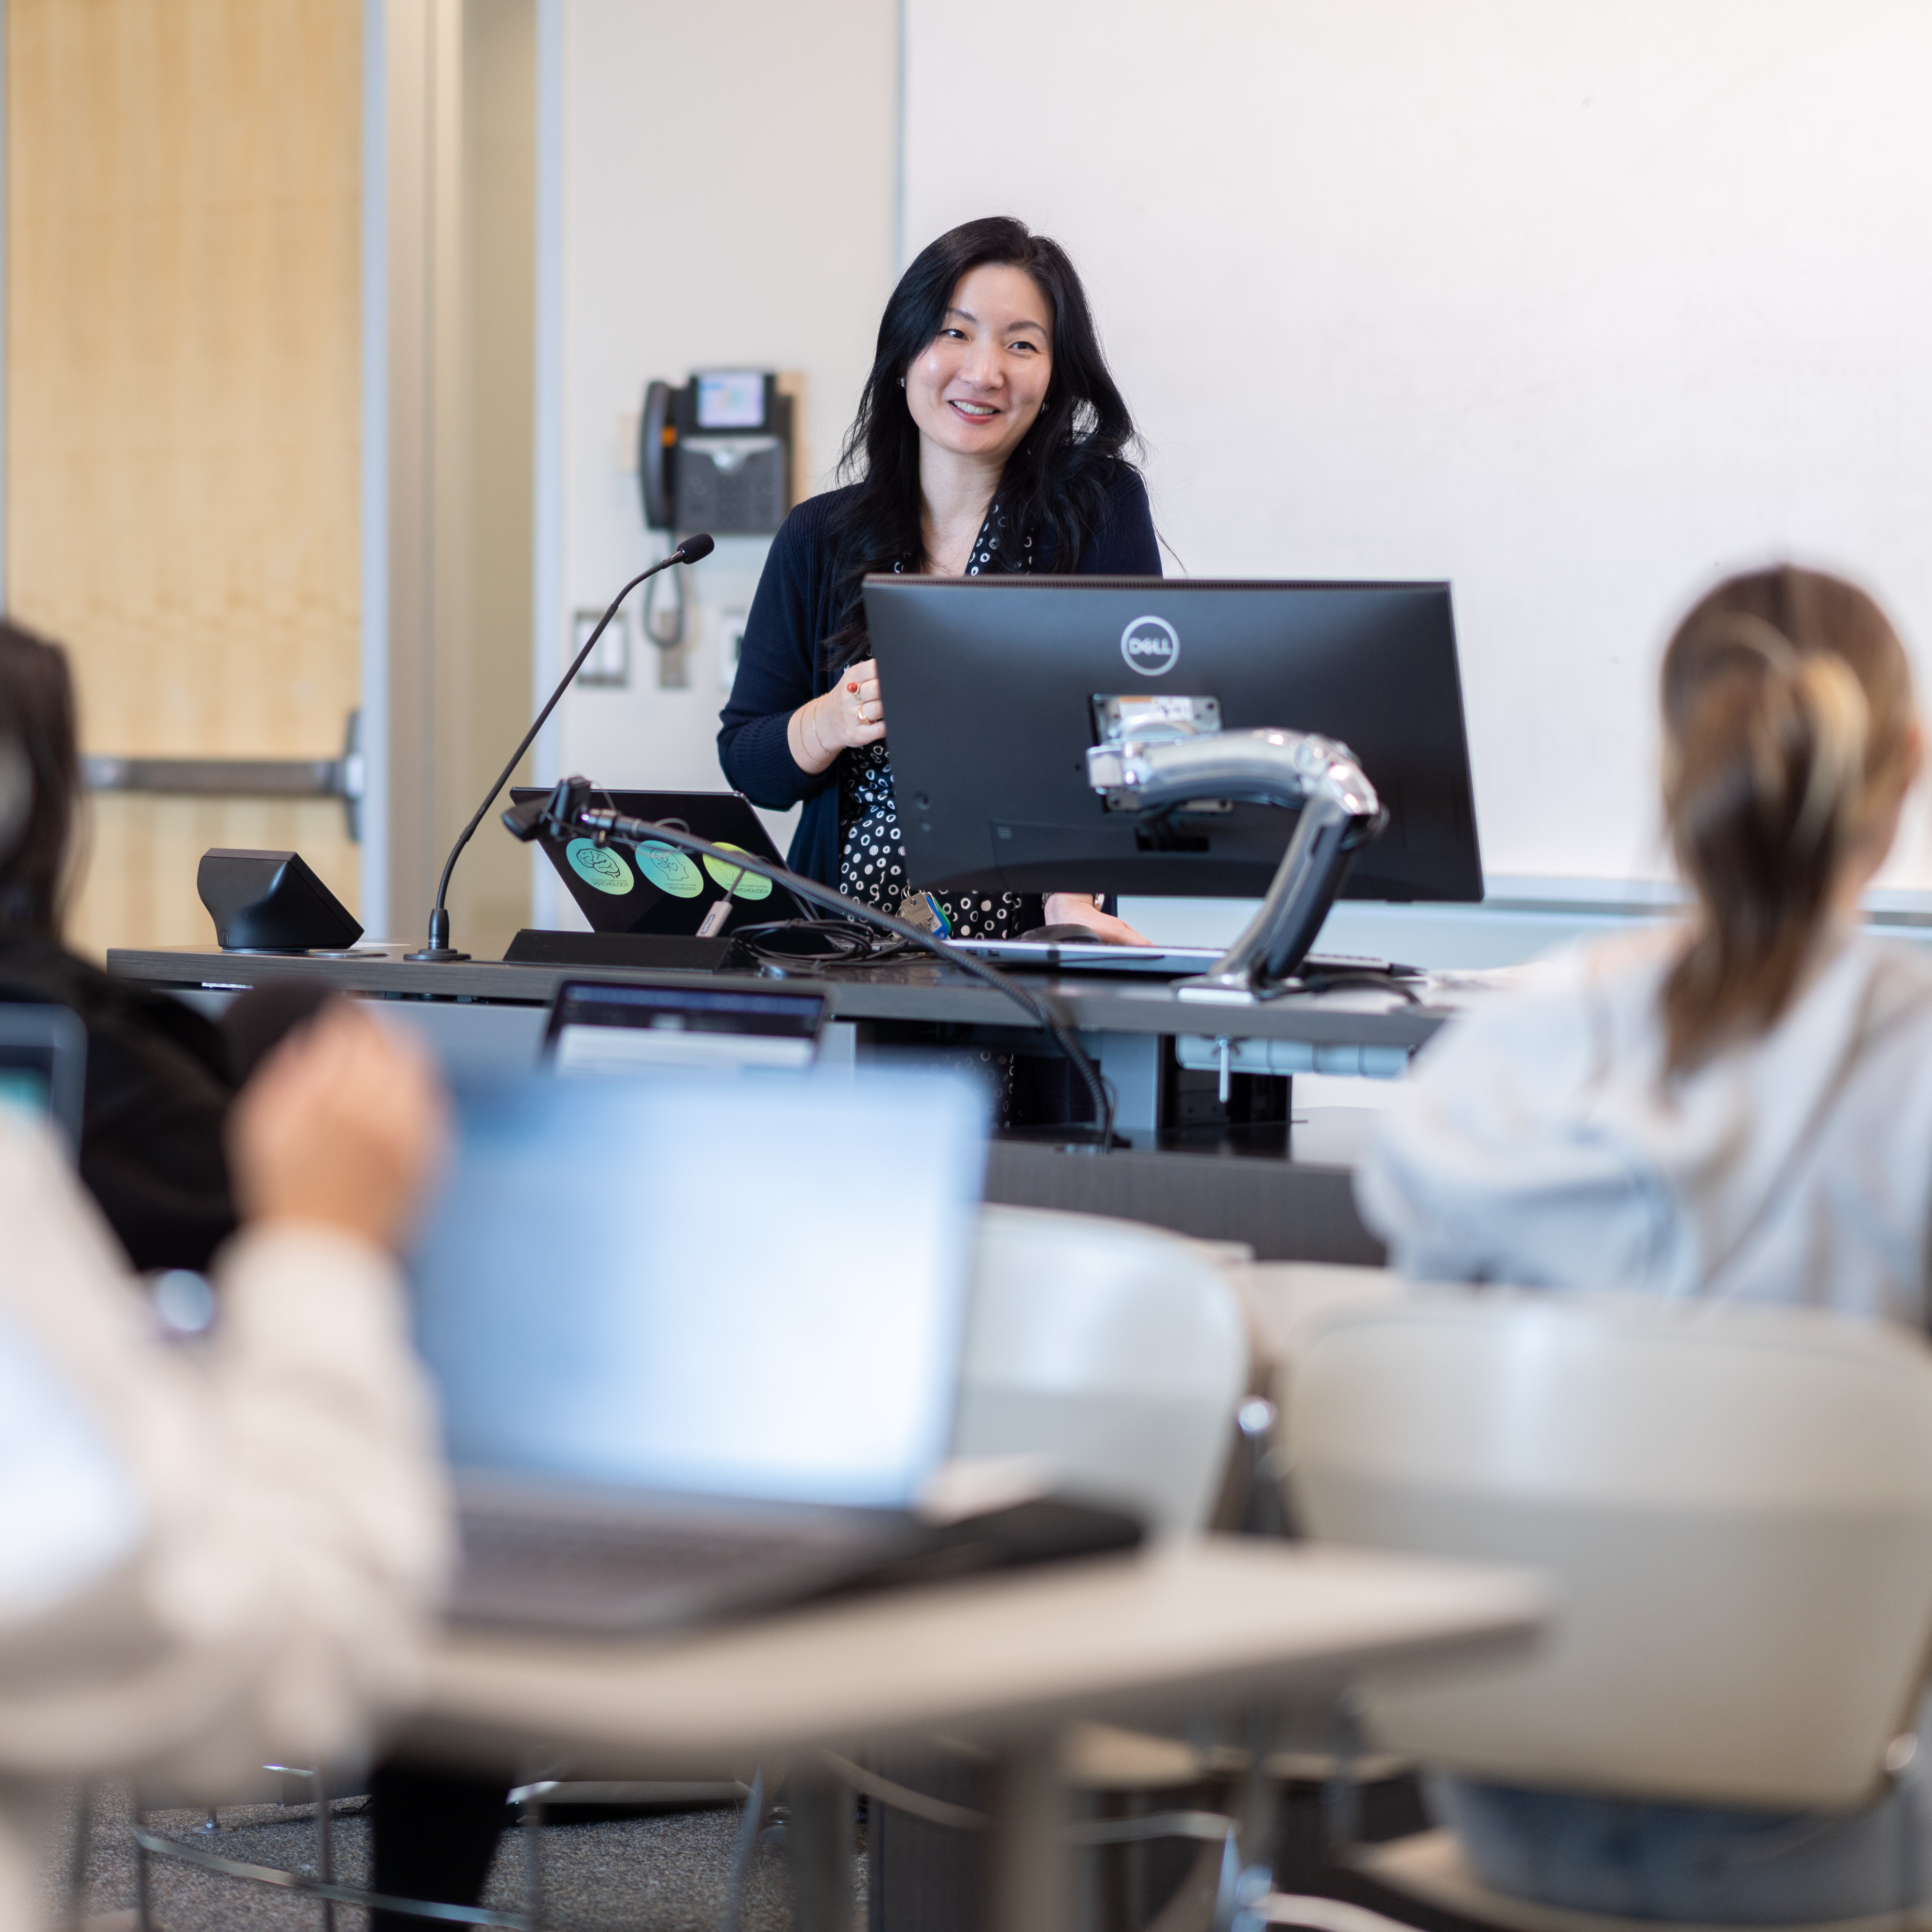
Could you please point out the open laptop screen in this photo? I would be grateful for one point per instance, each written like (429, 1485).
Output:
(754, 1288)
(43, 1065)
(598, 1028)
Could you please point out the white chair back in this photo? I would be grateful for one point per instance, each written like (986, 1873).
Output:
(1733, 1504)
(1114, 1351)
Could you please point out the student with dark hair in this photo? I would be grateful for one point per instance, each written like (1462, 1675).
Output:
(990, 438)
(1739, 1106)
(162, 1081)
(207, 1564)
(160, 1076)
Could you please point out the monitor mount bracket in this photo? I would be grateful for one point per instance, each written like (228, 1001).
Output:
(1173, 766)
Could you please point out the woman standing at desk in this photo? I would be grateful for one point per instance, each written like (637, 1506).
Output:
(990, 437)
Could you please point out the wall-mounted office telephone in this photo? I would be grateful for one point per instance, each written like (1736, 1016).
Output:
(714, 455)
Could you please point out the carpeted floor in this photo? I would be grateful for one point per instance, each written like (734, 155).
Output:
(663, 1874)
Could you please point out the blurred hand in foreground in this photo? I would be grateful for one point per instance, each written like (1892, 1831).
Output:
(344, 1125)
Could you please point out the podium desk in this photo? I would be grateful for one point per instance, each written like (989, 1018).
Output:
(1216, 1625)
(1190, 1166)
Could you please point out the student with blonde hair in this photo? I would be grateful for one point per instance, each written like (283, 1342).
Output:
(1738, 1106)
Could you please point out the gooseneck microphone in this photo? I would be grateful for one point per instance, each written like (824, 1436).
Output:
(439, 948)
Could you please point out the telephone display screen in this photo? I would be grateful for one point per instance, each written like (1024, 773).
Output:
(731, 399)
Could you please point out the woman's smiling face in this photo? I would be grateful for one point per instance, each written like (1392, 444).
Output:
(979, 386)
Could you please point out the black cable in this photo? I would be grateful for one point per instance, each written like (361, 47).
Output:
(1345, 978)
(837, 942)
(635, 832)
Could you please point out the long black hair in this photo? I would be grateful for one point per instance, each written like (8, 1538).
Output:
(1055, 485)
(40, 780)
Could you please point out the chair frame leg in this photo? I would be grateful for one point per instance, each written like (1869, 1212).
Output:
(325, 1846)
(144, 1916)
(529, 1833)
(77, 1862)
(744, 1843)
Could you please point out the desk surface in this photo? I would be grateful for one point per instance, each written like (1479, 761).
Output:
(1212, 1620)
(486, 1016)
(923, 991)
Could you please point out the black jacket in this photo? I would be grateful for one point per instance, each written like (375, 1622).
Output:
(780, 666)
(159, 1081)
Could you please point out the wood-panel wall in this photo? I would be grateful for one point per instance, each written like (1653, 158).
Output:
(183, 234)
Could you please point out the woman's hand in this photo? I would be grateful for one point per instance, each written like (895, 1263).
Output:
(344, 1124)
(851, 714)
(1079, 909)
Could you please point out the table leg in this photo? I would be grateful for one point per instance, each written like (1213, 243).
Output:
(819, 1829)
(1028, 1876)
(1132, 1062)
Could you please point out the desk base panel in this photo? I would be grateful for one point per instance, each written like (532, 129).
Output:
(1285, 1212)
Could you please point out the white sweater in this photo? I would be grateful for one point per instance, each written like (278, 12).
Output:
(1538, 1143)
(205, 1563)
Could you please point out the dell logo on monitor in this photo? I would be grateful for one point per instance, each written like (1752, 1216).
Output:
(1149, 645)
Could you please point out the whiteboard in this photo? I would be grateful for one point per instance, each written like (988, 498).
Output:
(1579, 306)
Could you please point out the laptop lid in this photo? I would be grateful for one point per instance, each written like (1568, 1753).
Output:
(659, 888)
(752, 1289)
(598, 1027)
(43, 1065)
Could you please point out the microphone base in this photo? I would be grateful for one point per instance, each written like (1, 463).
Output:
(437, 955)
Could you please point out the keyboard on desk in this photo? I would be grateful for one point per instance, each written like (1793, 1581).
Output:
(528, 1562)
(558, 1563)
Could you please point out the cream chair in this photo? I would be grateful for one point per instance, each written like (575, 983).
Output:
(1734, 1504)
(1116, 1353)
(1286, 1301)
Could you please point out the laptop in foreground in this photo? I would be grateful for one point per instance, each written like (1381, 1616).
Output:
(43, 1067)
(696, 1343)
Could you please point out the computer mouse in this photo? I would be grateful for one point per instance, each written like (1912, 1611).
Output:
(1065, 935)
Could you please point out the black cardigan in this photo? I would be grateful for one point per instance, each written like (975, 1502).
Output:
(159, 1081)
(780, 664)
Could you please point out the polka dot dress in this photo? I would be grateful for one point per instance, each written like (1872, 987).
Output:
(872, 867)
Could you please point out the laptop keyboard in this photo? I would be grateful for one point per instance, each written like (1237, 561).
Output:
(654, 1554)
(589, 1572)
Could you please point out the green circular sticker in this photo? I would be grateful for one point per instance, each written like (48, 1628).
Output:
(740, 884)
(668, 869)
(598, 865)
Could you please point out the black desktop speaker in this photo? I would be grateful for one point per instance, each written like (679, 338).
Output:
(270, 902)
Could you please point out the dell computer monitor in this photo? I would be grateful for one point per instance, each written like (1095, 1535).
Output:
(993, 688)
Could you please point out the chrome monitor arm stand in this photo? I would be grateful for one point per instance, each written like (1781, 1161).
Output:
(1339, 814)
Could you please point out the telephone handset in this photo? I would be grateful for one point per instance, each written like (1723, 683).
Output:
(657, 443)
(657, 438)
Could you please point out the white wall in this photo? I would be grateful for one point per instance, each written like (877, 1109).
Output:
(1577, 305)
(725, 192)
